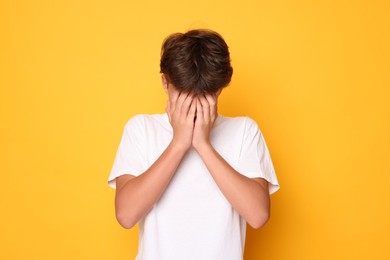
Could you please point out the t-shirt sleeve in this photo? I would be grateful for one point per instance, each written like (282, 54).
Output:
(129, 158)
(255, 159)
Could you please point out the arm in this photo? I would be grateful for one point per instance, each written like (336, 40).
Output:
(149, 186)
(248, 196)
(135, 196)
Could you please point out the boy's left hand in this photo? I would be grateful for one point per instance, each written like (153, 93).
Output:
(206, 114)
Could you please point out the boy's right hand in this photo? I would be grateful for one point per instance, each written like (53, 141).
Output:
(181, 111)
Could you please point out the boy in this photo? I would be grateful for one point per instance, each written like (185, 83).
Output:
(191, 177)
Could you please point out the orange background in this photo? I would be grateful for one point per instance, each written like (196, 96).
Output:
(313, 74)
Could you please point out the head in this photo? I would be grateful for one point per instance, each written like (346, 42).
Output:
(197, 62)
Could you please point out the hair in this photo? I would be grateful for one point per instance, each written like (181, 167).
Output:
(197, 61)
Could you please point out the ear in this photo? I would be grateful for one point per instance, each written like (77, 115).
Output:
(164, 83)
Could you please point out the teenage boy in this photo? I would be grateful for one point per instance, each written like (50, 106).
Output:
(192, 178)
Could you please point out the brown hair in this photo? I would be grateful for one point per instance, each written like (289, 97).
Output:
(197, 61)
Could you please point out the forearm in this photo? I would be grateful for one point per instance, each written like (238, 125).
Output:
(249, 198)
(137, 196)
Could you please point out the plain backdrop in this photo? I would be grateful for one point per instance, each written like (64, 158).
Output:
(313, 74)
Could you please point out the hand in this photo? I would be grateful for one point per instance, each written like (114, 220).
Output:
(206, 114)
(181, 112)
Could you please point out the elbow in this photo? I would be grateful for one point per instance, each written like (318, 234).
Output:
(259, 220)
(125, 221)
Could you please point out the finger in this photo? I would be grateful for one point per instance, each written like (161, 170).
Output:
(213, 106)
(180, 101)
(192, 110)
(205, 107)
(199, 111)
(186, 105)
(173, 100)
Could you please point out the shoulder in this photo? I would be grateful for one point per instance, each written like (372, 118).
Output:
(245, 126)
(244, 121)
(135, 121)
(141, 120)
(251, 124)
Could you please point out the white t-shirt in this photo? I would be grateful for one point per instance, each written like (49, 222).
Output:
(193, 220)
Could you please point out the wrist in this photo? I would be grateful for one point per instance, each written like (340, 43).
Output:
(202, 147)
(178, 147)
